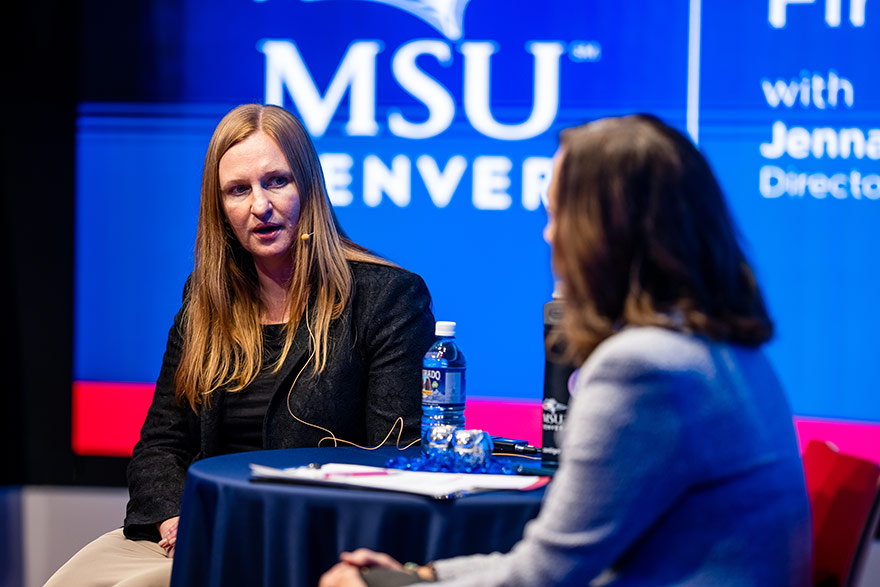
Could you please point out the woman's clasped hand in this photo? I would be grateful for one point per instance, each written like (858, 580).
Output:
(359, 568)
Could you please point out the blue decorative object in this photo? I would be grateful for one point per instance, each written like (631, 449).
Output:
(456, 451)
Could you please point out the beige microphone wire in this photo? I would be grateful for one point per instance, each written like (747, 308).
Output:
(332, 436)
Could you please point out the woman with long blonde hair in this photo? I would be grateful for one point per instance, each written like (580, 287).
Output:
(679, 462)
(290, 335)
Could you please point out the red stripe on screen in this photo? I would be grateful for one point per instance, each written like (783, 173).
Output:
(107, 420)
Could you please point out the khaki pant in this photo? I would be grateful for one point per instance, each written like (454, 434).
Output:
(114, 560)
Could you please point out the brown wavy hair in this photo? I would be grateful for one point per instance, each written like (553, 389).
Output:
(642, 236)
(222, 330)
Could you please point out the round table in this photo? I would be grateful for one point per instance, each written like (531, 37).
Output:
(234, 531)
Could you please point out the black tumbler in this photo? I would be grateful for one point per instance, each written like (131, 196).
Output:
(556, 375)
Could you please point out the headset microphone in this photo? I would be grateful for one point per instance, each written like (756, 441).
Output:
(305, 236)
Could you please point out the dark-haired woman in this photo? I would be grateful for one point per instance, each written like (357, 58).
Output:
(679, 464)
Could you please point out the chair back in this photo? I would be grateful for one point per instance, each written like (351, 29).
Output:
(845, 500)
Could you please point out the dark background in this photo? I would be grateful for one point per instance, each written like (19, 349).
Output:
(56, 53)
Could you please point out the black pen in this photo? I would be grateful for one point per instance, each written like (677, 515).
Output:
(538, 471)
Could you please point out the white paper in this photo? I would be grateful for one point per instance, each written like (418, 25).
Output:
(436, 485)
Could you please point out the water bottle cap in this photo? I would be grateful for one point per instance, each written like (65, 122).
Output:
(444, 328)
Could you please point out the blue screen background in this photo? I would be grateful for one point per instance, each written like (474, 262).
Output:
(139, 171)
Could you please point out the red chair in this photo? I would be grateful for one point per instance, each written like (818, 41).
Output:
(845, 499)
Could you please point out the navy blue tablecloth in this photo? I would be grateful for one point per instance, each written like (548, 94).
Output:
(234, 531)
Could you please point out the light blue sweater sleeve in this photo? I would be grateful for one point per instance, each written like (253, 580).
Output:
(644, 467)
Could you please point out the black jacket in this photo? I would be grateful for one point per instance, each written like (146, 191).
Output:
(372, 377)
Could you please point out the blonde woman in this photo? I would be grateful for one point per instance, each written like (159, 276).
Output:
(289, 333)
(679, 462)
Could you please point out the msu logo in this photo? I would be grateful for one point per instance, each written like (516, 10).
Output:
(447, 16)
(552, 406)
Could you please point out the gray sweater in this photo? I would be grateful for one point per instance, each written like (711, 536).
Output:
(679, 467)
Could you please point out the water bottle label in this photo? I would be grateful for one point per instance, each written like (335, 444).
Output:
(443, 386)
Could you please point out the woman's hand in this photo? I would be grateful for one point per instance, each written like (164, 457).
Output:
(347, 573)
(342, 575)
(364, 557)
(168, 532)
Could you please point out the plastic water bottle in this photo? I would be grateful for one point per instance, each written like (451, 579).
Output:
(443, 382)
(557, 374)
